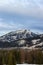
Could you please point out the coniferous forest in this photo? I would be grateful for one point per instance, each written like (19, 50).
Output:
(13, 57)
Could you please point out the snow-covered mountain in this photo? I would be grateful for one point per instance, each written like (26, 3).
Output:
(21, 38)
(16, 35)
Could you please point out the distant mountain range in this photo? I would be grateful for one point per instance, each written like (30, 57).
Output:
(21, 38)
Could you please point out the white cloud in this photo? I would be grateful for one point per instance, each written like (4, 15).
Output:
(27, 7)
(32, 8)
(9, 25)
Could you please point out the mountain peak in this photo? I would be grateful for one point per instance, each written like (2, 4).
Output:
(20, 32)
(20, 38)
(16, 35)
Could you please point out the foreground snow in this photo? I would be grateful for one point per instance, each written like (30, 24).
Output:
(28, 64)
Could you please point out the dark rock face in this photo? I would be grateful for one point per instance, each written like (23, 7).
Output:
(21, 38)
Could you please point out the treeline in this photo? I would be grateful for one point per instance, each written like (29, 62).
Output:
(19, 56)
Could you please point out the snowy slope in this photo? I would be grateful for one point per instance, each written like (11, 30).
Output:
(21, 38)
(16, 35)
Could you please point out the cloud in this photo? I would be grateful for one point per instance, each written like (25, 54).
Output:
(9, 26)
(27, 7)
(30, 11)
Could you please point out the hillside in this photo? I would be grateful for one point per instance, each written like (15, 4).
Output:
(21, 38)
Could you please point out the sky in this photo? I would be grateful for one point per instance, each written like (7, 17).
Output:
(21, 14)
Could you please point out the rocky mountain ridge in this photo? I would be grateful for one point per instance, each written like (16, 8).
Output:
(21, 38)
